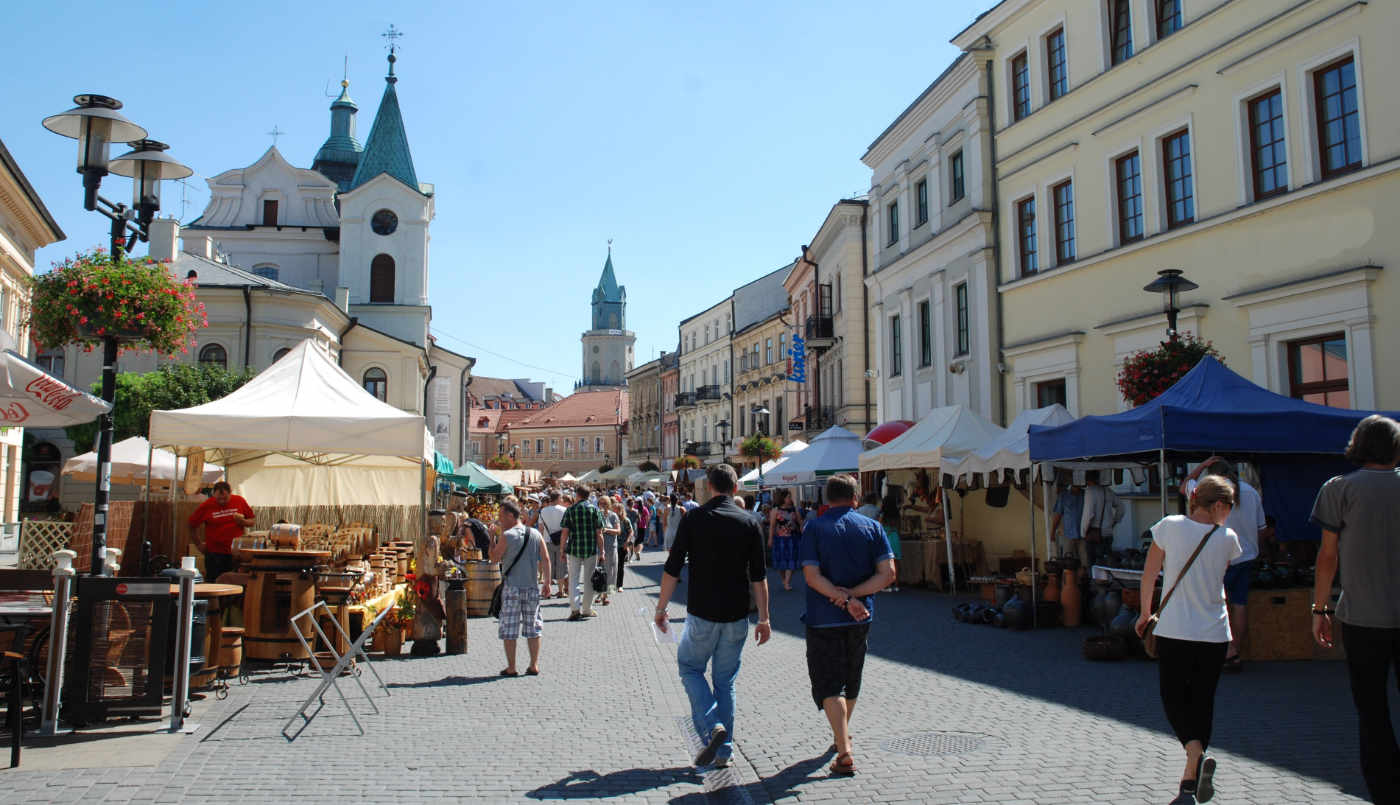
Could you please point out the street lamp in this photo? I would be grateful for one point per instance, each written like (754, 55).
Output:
(1170, 284)
(722, 431)
(763, 430)
(501, 444)
(95, 123)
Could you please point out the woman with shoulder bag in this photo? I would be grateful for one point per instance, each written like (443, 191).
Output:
(1191, 627)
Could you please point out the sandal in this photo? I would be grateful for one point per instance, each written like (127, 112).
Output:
(508, 672)
(532, 672)
(844, 765)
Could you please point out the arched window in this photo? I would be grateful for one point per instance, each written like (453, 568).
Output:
(381, 279)
(267, 271)
(213, 355)
(615, 371)
(597, 373)
(277, 356)
(377, 383)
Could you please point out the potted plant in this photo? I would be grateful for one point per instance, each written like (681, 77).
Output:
(686, 463)
(760, 448)
(1148, 373)
(91, 298)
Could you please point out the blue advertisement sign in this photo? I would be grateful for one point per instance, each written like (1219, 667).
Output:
(797, 359)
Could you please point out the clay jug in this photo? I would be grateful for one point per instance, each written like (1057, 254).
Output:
(1052, 588)
(1070, 600)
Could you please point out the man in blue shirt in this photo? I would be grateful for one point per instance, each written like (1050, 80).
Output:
(846, 559)
(1069, 509)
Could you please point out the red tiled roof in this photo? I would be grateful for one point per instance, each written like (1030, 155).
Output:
(580, 409)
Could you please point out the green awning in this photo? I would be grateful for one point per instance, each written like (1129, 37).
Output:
(474, 478)
(442, 465)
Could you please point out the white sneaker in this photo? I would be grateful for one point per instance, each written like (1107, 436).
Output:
(718, 735)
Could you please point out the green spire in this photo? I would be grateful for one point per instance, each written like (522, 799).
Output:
(386, 150)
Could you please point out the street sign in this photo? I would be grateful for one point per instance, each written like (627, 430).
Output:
(797, 363)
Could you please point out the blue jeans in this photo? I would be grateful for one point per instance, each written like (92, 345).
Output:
(721, 643)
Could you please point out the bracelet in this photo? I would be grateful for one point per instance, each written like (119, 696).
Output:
(1316, 610)
(764, 623)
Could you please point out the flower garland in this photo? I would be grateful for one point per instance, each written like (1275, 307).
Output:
(1148, 373)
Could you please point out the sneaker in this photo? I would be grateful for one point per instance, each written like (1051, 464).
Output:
(592, 614)
(722, 762)
(574, 616)
(718, 735)
(1205, 779)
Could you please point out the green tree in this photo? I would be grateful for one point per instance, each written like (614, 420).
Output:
(169, 387)
(648, 466)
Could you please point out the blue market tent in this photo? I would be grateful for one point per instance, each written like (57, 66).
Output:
(1297, 445)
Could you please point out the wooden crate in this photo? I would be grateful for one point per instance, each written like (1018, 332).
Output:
(1280, 625)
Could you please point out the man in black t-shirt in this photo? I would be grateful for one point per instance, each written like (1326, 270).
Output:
(724, 548)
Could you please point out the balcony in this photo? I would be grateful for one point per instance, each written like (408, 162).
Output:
(707, 393)
(685, 399)
(820, 332)
(700, 449)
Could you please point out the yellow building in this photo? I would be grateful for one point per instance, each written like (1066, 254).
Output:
(1250, 144)
(760, 355)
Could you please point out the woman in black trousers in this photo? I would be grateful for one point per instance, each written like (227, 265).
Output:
(1193, 626)
(1358, 514)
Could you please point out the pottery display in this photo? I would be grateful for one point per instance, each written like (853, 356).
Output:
(1070, 600)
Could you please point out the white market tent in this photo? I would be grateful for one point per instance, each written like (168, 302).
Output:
(620, 473)
(944, 433)
(1010, 450)
(303, 432)
(644, 478)
(588, 477)
(130, 459)
(835, 450)
(750, 479)
(567, 477)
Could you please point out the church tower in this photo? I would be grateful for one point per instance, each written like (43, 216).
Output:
(607, 346)
(340, 153)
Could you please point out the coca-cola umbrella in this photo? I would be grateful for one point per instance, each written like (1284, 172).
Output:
(33, 398)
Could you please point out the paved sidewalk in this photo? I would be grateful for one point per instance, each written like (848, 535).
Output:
(1012, 717)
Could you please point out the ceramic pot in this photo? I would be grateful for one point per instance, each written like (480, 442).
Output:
(1003, 594)
(1052, 587)
(1017, 613)
(1070, 600)
(1109, 607)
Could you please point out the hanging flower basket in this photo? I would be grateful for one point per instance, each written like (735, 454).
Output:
(89, 298)
(1148, 373)
(686, 463)
(760, 447)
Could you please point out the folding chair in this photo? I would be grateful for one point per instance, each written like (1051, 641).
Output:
(330, 678)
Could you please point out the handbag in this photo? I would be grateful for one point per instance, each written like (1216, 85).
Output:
(599, 579)
(1149, 636)
(494, 608)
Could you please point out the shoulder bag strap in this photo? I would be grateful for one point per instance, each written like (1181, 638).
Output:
(521, 552)
(1184, 568)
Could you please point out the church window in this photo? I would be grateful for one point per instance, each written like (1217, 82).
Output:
(277, 356)
(269, 217)
(376, 382)
(381, 279)
(267, 272)
(614, 372)
(384, 222)
(213, 355)
(597, 373)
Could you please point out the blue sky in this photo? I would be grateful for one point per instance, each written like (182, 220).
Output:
(707, 139)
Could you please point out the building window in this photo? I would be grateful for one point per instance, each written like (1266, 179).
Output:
(1121, 25)
(1025, 235)
(1063, 195)
(1176, 167)
(1056, 68)
(269, 217)
(1338, 120)
(921, 203)
(893, 212)
(554, 447)
(381, 279)
(955, 170)
(782, 346)
(1020, 87)
(376, 382)
(582, 445)
(1267, 151)
(539, 447)
(53, 364)
(1168, 18)
(1129, 174)
(597, 444)
(266, 272)
(1051, 392)
(1317, 370)
(896, 348)
(925, 334)
(964, 319)
(278, 355)
(213, 355)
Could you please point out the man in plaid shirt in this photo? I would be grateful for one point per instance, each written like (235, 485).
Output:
(582, 536)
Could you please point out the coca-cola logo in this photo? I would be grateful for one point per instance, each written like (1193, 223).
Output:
(13, 413)
(52, 393)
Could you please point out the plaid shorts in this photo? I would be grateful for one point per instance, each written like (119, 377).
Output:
(520, 612)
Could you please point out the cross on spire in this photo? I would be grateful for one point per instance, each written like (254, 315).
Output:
(392, 37)
(275, 133)
(610, 240)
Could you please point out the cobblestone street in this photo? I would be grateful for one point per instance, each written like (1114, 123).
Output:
(1020, 717)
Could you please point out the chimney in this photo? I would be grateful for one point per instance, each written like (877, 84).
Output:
(165, 233)
(342, 298)
(199, 244)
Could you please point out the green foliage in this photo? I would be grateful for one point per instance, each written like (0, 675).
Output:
(605, 468)
(503, 463)
(649, 466)
(686, 463)
(170, 387)
(90, 297)
(760, 447)
(1150, 372)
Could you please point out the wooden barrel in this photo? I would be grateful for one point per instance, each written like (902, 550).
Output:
(231, 650)
(482, 578)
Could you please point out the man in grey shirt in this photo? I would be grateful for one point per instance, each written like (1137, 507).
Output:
(524, 558)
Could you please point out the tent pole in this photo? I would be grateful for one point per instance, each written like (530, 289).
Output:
(1049, 547)
(422, 502)
(1035, 602)
(1162, 477)
(948, 540)
(145, 568)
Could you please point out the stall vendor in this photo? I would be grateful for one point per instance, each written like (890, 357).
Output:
(224, 515)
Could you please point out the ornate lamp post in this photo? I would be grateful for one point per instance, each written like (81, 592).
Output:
(95, 123)
(1170, 284)
(722, 431)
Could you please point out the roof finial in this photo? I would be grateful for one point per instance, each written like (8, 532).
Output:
(610, 247)
(345, 73)
(275, 133)
(392, 36)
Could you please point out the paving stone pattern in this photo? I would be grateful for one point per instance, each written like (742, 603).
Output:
(1028, 721)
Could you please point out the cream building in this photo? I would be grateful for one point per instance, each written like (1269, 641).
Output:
(25, 226)
(932, 279)
(584, 431)
(1251, 144)
(839, 358)
(705, 396)
(644, 417)
(762, 332)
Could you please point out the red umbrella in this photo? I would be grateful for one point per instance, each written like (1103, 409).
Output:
(886, 432)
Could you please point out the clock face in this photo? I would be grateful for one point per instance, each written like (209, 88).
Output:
(384, 222)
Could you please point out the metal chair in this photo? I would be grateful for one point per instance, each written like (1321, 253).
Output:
(330, 677)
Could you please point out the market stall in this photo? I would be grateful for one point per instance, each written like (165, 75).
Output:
(476, 479)
(749, 482)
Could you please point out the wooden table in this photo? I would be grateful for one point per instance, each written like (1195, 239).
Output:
(219, 596)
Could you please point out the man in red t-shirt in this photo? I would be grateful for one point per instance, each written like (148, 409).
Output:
(224, 516)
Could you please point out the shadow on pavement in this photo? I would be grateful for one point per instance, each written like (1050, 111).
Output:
(448, 682)
(592, 785)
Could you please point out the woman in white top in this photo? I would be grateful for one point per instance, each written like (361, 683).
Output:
(671, 518)
(1193, 629)
(551, 520)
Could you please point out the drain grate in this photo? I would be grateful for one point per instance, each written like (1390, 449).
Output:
(934, 744)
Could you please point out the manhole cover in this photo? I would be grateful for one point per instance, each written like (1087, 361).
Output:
(934, 744)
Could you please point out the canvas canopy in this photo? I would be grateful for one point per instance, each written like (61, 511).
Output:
(944, 433)
(645, 478)
(588, 477)
(835, 450)
(33, 398)
(129, 457)
(750, 478)
(566, 478)
(619, 473)
(1009, 450)
(475, 478)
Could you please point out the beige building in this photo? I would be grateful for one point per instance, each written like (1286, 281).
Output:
(581, 432)
(25, 226)
(704, 397)
(760, 354)
(644, 417)
(839, 359)
(1250, 144)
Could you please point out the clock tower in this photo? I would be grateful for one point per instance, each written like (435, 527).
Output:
(608, 344)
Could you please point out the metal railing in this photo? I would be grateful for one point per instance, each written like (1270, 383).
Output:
(685, 398)
(820, 328)
(707, 393)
